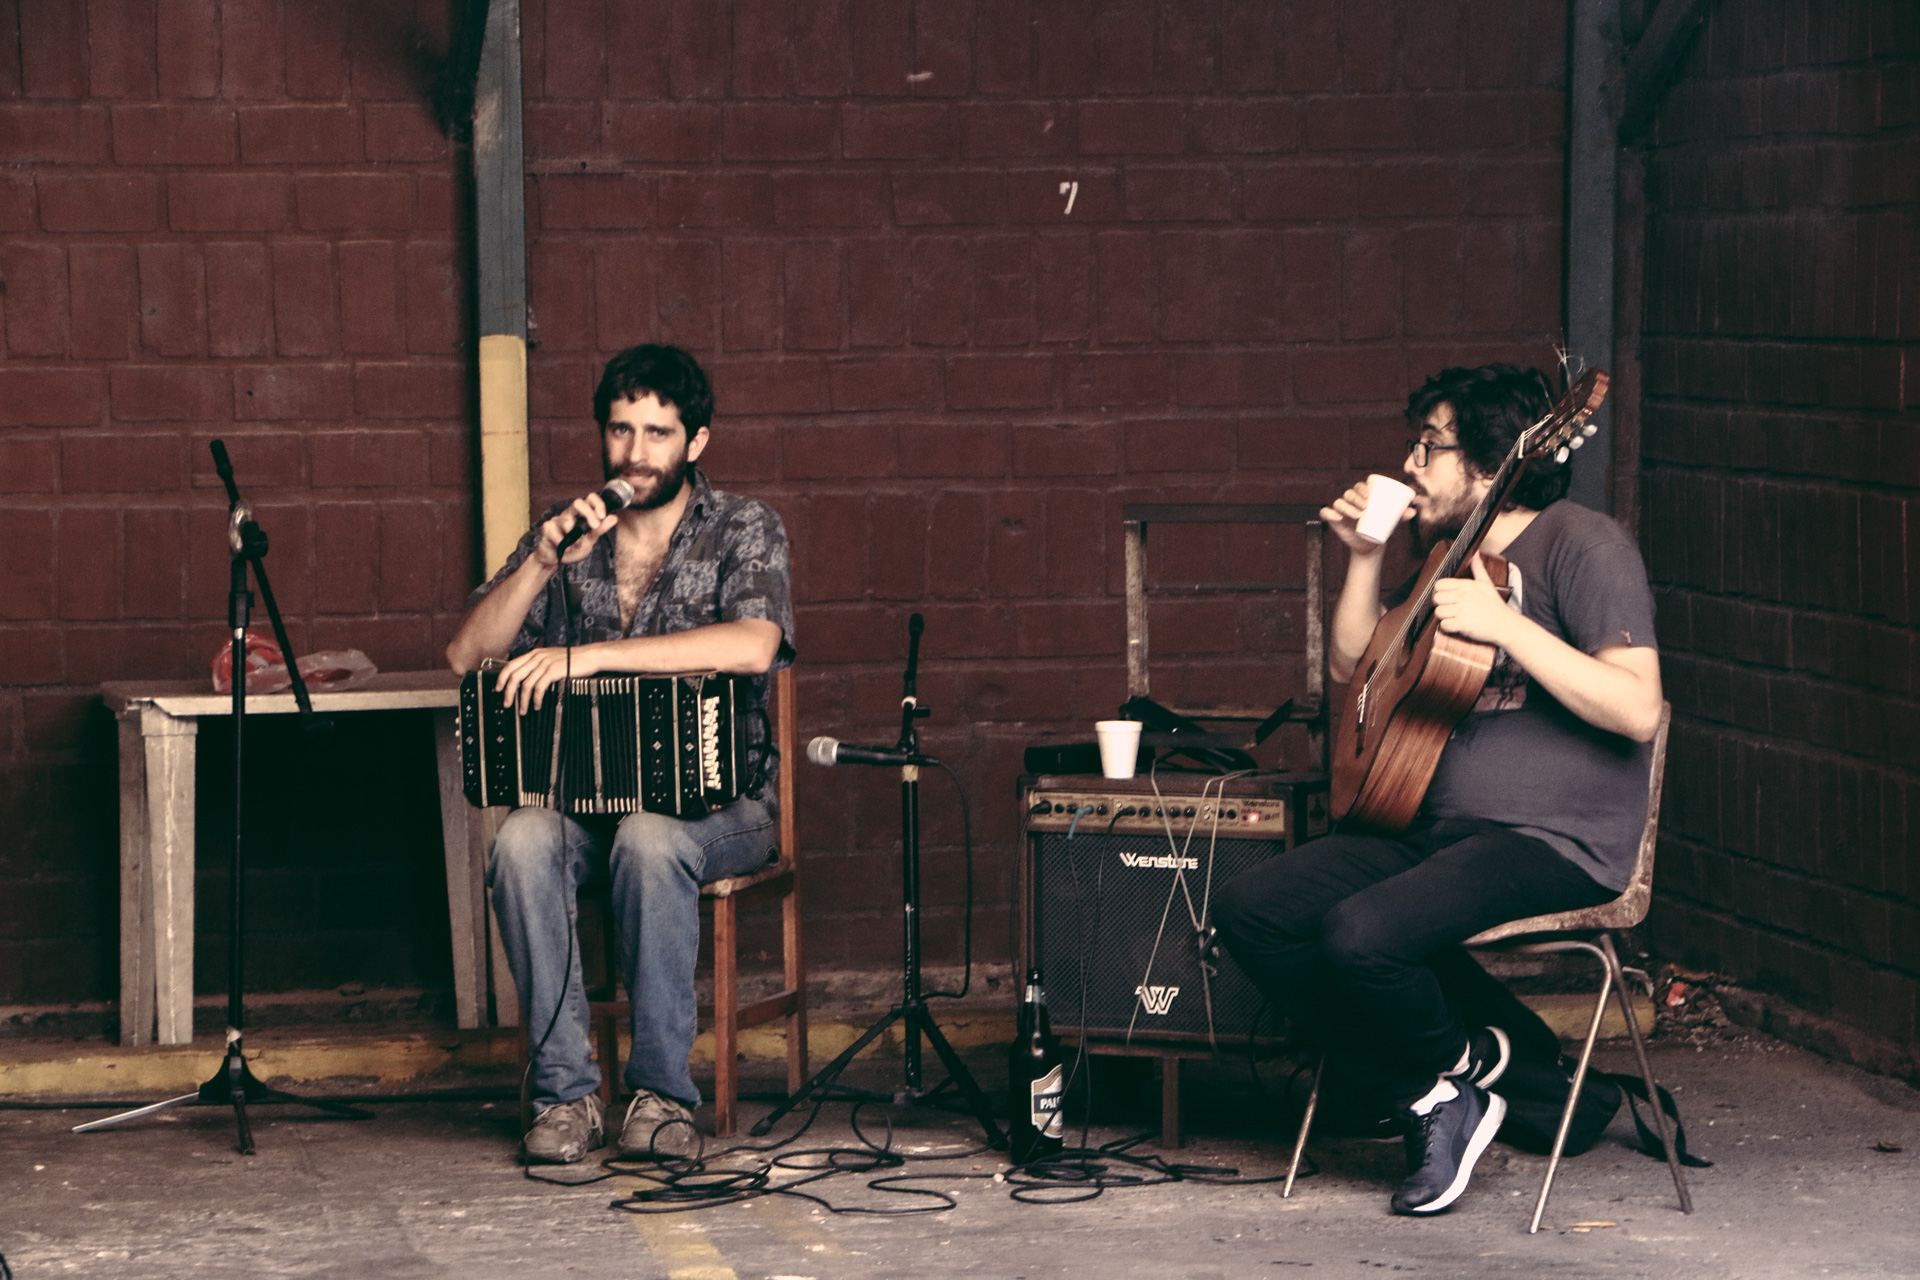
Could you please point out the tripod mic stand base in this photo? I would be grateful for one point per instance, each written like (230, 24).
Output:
(235, 1085)
(919, 1021)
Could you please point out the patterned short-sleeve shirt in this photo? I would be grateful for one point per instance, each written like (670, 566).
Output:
(726, 562)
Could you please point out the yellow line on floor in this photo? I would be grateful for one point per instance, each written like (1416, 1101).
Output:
(793, 1219)
(683, 1246)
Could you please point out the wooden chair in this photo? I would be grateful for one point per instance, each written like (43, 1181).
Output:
(776, 881)
(1589, 930)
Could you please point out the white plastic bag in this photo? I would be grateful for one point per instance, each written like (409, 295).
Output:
(328, 672)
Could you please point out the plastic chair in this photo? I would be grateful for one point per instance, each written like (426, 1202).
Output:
(776, 881)
(1589, 930)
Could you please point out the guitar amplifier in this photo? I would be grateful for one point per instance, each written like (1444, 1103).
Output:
(1117, 888)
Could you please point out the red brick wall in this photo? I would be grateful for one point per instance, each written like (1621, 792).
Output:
(240, 219)
(948, 384)
(1782, 410)
(229, 220)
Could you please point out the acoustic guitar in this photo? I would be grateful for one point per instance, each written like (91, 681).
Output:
(1415, 681)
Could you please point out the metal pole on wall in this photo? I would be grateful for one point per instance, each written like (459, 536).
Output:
(500, 227)
(1593, 147)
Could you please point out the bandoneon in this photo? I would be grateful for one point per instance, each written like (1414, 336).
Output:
(677, 745)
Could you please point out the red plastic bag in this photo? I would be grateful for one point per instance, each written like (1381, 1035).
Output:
(328, 672)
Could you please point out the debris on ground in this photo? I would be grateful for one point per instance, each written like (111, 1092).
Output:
(1687, 1008)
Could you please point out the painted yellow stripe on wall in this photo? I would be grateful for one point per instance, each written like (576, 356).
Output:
(505, 492)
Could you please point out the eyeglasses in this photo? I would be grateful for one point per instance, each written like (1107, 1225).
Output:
(1422, 451)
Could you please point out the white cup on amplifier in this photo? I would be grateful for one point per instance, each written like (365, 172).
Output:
(1387, 501)
(1119, 746)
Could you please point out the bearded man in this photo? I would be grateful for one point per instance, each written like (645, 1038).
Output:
(684, 578)
(1536, 807)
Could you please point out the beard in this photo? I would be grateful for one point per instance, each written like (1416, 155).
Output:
(1440, 522)
(653, 489)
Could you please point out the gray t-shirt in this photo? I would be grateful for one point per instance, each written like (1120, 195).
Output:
(1521, 758)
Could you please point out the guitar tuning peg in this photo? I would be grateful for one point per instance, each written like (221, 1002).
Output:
(1591, 429)
(1576, 442)
(1561, 455)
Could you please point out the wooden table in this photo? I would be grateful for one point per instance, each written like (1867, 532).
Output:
(159, 721)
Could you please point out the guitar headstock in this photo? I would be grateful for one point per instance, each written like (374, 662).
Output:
(1565, 427)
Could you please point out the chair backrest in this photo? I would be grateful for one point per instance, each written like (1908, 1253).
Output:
(786, 738)
(1630, 908)
(1639, 891)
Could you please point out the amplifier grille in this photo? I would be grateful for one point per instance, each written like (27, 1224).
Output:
(1117, 913)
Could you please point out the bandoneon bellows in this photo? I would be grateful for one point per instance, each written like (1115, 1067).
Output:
(677, 745)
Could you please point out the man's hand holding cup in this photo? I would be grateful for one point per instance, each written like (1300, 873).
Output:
(1365, 516)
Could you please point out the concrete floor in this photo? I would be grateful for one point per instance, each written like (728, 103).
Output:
(430, 1189)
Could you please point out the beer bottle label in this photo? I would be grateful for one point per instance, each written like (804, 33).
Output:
(1045, 1113)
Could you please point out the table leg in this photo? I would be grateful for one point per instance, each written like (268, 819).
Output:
(136, 891)
(170, 744)
(467, 833)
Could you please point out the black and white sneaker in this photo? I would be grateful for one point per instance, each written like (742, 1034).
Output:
(1488, 1053)
(1443, 1145)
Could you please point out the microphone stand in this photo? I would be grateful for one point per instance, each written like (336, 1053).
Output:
(912, 1011)
(234, 1084)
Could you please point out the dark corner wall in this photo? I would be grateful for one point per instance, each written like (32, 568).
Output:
(1781, 455)
(238, 218)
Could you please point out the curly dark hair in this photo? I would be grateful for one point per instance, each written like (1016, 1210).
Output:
(670, 374)
(1492, 405)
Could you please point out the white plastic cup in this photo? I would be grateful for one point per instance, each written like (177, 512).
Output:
(1119, 746)
(1387, 501)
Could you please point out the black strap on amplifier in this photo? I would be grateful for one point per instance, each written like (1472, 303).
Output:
(1207, 750)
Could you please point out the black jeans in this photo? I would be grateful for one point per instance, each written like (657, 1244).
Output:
(1356, 938)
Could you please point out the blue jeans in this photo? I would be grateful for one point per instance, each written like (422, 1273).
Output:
(656, 865)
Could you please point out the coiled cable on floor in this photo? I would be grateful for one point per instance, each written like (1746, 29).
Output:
(1077, 1174)
(699, 1182)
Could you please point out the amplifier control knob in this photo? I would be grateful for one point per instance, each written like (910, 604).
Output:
(1189, 812)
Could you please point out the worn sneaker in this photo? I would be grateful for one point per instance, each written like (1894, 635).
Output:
(1488, 1052)
(657, 1128)
(1443, 1145)
(564, 1134)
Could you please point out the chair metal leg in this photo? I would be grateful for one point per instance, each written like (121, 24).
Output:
(1573, 1092)
(1646, 1073)
(1306, 1124)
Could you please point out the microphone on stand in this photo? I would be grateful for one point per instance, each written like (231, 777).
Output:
(831, 751)
(617, 495)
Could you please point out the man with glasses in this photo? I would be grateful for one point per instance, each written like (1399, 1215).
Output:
(1536, 807)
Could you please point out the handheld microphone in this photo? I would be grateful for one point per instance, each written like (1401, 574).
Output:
(617, 495)
(830, 751)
